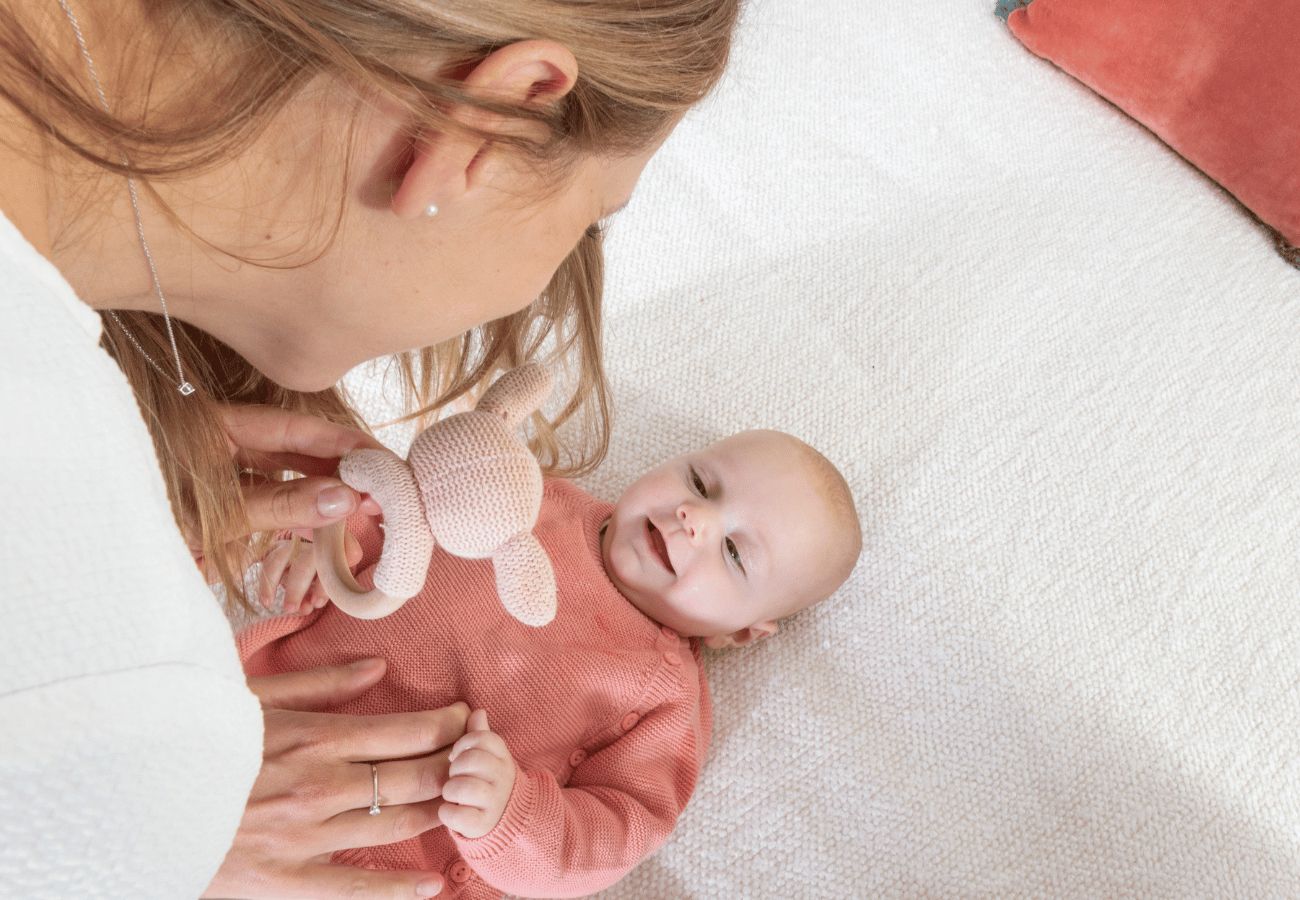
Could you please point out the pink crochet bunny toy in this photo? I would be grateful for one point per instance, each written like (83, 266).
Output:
(470, 485)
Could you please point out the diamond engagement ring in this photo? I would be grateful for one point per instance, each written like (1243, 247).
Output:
(374, 789)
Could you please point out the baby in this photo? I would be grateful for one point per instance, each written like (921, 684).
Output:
(600, 720)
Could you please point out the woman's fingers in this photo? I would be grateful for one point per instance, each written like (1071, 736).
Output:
(401, 781)
(336, 882)
(325, 881)
(299, 503)
(351, 547)
(266, 429)
(398, 822)
(293, 462)
(267, 439)
(365, 738)
(394, 735)
(319, 688)
(312, 796)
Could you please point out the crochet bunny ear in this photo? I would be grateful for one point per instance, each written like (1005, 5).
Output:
(517, 393)
(525, 581)
(408, 543)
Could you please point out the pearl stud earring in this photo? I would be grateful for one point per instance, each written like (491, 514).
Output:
(431, 210)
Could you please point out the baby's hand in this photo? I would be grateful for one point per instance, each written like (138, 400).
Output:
(291, 564)
(481, 777)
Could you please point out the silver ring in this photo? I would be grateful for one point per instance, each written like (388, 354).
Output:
(374, 789)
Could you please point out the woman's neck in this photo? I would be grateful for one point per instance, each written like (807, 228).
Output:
(75, 214)
(79, 216)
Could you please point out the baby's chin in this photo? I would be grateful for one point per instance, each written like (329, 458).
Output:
(641, 596)
(647, 598)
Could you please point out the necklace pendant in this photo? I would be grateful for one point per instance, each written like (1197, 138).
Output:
(186, 388)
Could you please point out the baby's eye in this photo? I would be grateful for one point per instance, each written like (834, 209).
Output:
(734, 553)
(698, 483)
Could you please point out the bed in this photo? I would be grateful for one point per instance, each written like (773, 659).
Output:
(1061, 370)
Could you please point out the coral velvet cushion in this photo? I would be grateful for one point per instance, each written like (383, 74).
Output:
(1219, 82)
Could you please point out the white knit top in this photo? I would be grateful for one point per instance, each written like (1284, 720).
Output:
(128, 739)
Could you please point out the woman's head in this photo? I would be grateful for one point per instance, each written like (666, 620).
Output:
(505, 221)
(290, 147)
(308, 137)
(385, 277)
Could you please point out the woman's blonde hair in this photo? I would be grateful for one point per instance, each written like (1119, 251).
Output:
(641, 64)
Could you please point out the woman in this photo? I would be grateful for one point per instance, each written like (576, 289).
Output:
(268, 192)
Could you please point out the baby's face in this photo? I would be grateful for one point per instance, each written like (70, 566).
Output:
(717, 540)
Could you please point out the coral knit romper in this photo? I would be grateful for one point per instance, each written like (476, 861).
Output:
(606, 713)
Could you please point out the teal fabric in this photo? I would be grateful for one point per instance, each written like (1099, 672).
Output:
(1004, 8)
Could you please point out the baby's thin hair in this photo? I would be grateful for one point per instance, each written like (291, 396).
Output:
(835, 491)
(831, 486)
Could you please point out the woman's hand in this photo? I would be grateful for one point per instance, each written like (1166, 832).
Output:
(264, 440)
(313, 794)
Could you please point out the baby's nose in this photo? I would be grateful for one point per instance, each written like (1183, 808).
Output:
(694, 521)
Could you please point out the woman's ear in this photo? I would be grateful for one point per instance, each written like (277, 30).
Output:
(443, 167)
(750, 635)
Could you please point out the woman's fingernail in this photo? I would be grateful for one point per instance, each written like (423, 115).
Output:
(335, 502)
(366, 666)
(430, 887)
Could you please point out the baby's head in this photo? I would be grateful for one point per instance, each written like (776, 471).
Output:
(723, 542)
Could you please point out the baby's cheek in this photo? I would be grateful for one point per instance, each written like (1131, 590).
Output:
(690, 599)
(714, 604)
(623, 566)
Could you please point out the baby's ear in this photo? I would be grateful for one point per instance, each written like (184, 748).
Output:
(750, 635)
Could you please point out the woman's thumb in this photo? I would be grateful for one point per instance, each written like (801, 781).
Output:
(321, 688)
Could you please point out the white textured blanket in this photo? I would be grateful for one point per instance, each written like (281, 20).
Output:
(1061, 370)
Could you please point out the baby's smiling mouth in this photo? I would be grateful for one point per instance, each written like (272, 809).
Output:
(658, 546)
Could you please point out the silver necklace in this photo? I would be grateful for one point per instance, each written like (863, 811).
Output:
(182, 385)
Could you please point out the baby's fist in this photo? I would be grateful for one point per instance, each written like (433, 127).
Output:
(479, 782)
(290, 565)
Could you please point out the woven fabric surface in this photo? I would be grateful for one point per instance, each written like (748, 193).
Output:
(1062, 373)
